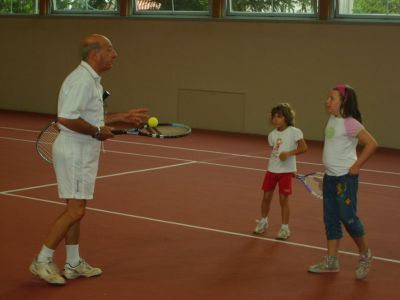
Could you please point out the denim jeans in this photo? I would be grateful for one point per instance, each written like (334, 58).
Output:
(340, 206)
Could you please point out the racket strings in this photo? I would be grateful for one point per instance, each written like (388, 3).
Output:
(314, 183)
(165, 130)
(44, 144)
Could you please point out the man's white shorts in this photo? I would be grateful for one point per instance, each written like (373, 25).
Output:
(76, 161)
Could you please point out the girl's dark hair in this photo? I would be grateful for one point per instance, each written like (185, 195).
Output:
(286, 111)
(349, 105)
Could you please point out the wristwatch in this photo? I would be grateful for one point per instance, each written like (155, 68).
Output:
(97, 134)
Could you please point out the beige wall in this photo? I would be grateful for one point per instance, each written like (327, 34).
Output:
(222, 75)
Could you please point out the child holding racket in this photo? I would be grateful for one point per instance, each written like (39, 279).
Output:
(286, 142)
(342, 134)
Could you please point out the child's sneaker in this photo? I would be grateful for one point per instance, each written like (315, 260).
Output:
(364, 265)
(47, 271)
(261, 226)
(83, 269)
(283, 234)
(329, 264)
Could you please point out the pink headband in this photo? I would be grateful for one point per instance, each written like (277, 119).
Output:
(342, 90)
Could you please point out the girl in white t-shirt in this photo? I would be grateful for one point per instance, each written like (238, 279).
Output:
(342, 134)
(286, 141)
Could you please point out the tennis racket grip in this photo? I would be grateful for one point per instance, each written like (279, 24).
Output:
(117, 132)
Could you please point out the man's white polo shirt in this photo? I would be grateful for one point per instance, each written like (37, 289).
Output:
(81, 96)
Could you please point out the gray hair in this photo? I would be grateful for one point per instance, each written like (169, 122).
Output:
(85, 50)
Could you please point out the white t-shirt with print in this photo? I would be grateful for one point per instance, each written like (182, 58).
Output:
(81, 96)
(283, 141)
(340, 145)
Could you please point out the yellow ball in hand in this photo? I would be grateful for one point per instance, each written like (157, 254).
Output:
(153, 122)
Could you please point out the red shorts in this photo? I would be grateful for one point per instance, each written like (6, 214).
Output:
(284, 180)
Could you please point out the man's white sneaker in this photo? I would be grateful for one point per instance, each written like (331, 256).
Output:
(83, 269)
(283, 234)
(261, 226)
(47, 271)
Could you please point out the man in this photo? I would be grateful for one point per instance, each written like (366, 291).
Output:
(76, 153)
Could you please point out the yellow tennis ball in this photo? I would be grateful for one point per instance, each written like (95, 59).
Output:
(153, 122)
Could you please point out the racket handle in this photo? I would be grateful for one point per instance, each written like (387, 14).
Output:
(116, 132)
(105, 95)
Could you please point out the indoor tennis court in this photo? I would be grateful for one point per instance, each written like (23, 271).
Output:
(173, 219)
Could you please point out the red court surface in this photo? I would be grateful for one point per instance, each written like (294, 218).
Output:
(173, 219)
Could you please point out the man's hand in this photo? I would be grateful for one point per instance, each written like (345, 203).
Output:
(105, 133)
(136, 116)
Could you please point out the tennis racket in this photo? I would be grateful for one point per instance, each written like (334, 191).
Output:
(46, 138)
(313, 183)
(161, 131)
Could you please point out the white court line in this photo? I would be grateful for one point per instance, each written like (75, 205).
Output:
(185, 162)
(145, 155)
(225, 232)
(146, 170)
(235, 154)
(15, 139)
(30, 188)
(192, 149)
(187, 149)
(19, 129)
(208, 162)
(262, 170)
(105, 176)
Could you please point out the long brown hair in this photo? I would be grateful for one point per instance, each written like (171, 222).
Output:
(349, 103)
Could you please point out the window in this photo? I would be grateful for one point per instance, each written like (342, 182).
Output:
(174, 7)
(85, 6)
(285, 8)
(383, 9)
(19, 7)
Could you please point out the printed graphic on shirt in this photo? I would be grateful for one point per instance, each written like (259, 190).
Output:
(275, 150)
(329, 132)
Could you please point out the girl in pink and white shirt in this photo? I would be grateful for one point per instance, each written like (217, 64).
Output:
(342, 134)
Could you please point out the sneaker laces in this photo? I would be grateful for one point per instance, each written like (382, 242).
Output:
(51, 268)
(330, 261)
(261, 223)
(84, 264)
(283, 232)
(364, 261)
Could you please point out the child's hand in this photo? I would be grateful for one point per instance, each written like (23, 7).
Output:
(354, 170)
(283, 156)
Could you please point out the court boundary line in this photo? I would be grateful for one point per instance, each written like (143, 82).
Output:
(19, 129)
(209, 229)
(188, 149)
(229, 166)
(104, 176)
(185, 162)
(235, 154)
